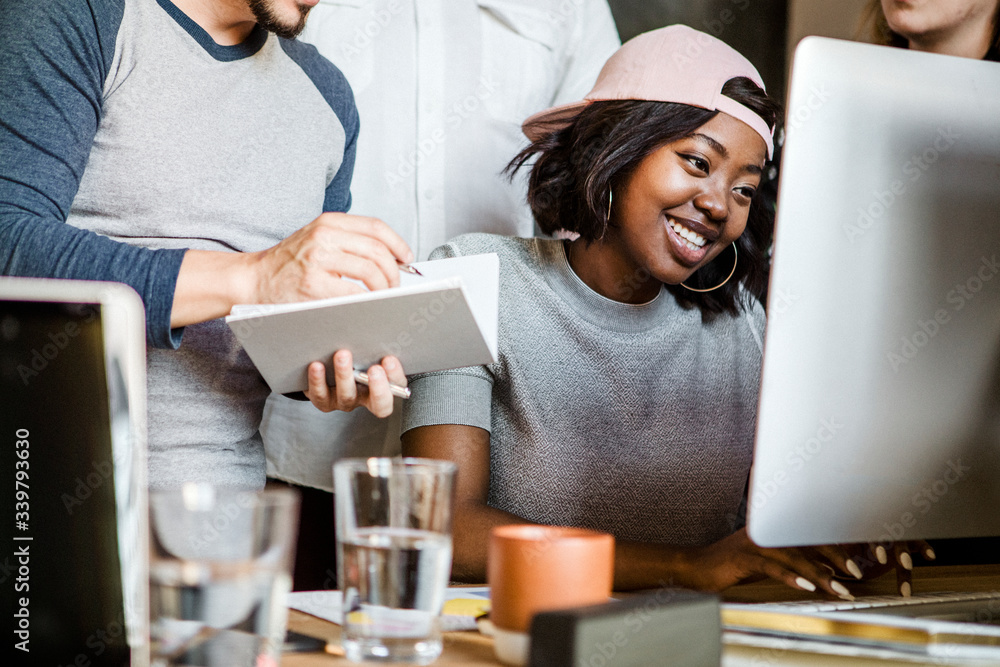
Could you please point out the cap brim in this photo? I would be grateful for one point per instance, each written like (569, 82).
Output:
(545, 122)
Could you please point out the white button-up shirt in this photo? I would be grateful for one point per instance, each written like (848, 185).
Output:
(442, 87)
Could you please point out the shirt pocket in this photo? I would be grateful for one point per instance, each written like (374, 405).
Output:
(521, 57)
(345, 32)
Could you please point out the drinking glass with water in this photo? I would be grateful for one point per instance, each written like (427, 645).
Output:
(393, 555)
(220, 574)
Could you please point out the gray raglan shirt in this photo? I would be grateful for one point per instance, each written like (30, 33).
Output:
(633, 419)
(127, 136)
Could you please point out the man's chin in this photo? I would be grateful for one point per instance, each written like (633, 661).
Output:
(285, 29)
(268, 18)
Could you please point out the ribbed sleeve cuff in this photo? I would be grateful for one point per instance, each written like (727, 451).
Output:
(448, 398)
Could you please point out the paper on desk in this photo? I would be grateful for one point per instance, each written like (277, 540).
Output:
(871, 635)
(753, 650)
(774, 647)
(461, 606)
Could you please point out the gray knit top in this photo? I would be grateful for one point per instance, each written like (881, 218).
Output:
(637, 420)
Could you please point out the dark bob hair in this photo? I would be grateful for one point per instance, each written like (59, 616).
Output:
(575, 165)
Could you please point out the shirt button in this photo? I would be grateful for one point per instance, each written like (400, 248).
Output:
(428, 194)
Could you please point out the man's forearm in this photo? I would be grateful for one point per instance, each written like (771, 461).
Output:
(33, 246)
(209, 285)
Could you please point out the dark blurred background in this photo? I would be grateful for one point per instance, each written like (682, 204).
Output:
(756, 28)
(765, 31)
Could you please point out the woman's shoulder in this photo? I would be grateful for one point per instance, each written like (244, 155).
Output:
(508, 248)
(751, 311)
(745, 327)
(751, 307)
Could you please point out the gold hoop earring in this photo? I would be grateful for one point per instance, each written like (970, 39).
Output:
(611, 198)
(711, 289)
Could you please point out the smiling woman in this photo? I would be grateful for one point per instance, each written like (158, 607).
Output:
(623, 398)
(646, 156)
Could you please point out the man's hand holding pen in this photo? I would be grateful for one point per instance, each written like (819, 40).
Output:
(347, 394)
(329, 257)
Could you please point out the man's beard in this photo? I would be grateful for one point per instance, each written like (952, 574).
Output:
(268, 19)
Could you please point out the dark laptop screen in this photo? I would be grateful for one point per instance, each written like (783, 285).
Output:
(60, 567)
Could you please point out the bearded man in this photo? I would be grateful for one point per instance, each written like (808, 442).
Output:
(195, 151)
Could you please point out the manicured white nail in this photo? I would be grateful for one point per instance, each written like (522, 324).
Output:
(881, 555)
(929, 554)
(853, 568)
(841, 590)
(905, 590)
(906, 561)
(805, 584)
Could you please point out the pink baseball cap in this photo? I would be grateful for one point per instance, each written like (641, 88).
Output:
(672, 64)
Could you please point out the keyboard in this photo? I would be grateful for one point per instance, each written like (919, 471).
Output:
(964, 607)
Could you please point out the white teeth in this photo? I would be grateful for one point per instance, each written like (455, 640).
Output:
(694, 241)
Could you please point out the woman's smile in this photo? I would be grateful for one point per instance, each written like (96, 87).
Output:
(691, 239)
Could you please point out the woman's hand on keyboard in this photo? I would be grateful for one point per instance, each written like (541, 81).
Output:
(736, 558)
(898, 556)
(868, 561)
(902, 562)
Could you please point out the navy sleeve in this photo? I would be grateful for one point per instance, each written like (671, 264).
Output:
(333, 85)
(54, 59)
(338, 193)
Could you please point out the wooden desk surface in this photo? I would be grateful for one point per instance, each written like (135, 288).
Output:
(470, 649)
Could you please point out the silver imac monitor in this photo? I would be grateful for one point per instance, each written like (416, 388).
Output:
(879, 410)
(72, 424)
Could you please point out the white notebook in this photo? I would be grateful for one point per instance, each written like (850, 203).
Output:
(446, 318)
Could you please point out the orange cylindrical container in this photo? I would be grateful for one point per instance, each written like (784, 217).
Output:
(532, 568)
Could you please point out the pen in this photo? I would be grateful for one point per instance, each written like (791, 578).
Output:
(406, 268)
(402, 392)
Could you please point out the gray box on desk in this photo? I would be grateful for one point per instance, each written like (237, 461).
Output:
(667, 627)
